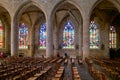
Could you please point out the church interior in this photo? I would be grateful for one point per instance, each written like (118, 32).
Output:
(59, 39)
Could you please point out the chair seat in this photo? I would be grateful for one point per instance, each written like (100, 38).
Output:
(38, 74)
(58, 75)
(56, 78)
(77, 76)
(32, 78)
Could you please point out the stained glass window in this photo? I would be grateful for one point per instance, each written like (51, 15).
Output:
(1, 34)
(42, 36)
(68, 35)
(23, 36)
(94, 35)
(112, 37)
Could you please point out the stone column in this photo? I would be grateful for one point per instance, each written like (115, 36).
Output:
(118, 36)
(76, 40)
(7, 38)
(14, 38)
(36, 42)
(56, 41)
(85, 37)
(49, 38)
(80, 40)
(32, 41)
(106, 39)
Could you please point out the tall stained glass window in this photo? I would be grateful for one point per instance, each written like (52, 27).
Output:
(23, 36)
(112, 37)
(94, 35)
(68, 35)
(42, 36)
(1, 34)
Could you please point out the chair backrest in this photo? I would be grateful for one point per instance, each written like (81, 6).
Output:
(67, 77)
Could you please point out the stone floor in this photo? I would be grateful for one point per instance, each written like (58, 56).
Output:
(83, 71)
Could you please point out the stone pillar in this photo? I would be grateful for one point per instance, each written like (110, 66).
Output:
(56, 41)
(106, 39)
(85, 37)
(14, 38)
(36, 42)
(49, 38)
(32, 41)
(118, 36)
(7, 38)
(80, 40)
(76, 40)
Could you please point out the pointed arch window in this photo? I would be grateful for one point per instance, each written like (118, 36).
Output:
(1, 34)
(112, 37)
(42, 36)
(68, 35)
(23, 36)
(94, 35)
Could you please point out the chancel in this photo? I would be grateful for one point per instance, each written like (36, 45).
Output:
(59, 39)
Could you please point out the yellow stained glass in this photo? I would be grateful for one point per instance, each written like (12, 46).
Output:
(1, 35)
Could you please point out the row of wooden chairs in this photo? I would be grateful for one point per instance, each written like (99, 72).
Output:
(96, 73)
(42, 75)
(18, 70)
(75, 74)
(111, 68)
(59, 74)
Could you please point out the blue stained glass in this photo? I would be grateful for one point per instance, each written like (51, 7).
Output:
(42, 36)
(68, 36)
(23, 36)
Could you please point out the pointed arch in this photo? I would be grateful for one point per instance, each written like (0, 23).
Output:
(5, 20)
(22, 8)
(67, 14)
(114, 2)
(82, 13)
(25, 5)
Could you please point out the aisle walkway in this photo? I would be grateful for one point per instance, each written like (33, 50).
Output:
(83, 71)
(68, 72)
